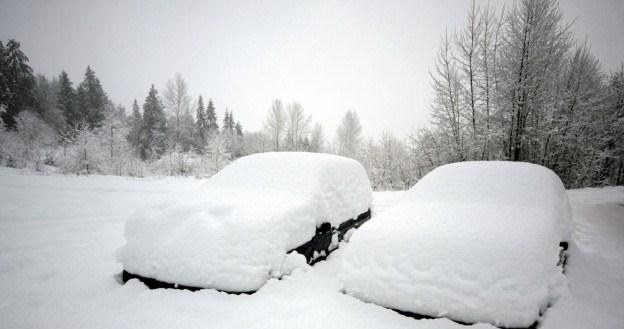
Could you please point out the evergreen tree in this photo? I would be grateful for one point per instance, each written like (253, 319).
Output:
(228, 122)
(45, 94)
(91, 99)
(16, 82)
(154, 133)
(211, 118)
(66, 101)
(135, 123)
(186, 137)
(201, 126)
(239, 129)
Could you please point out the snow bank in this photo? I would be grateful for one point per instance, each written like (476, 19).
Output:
(233, 233)
(472, 241)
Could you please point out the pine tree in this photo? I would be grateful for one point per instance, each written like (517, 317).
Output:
(45, 93)
(16, 82)
(66, 101)
(239, 129)
(201, 126)
(135, 123)
(211, 118)
(91, 99)
(154, 133)
(228, 122)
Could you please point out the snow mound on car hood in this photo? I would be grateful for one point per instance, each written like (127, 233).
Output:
(235, 230)
(472, 241)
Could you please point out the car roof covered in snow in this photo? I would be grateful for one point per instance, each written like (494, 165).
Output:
(516, 185)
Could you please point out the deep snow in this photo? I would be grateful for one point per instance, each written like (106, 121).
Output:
(59, 234)
(472, 241)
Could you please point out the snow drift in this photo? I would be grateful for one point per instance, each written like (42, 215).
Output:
(472, 241)
(233, 233)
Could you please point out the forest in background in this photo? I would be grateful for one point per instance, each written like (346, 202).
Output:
(511, 84)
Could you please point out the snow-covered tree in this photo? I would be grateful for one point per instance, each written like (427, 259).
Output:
(84, 152)
(135, 129)
(275, 124)
(297, 127)
(177, 103)
(317, 139)
(468, 47)
(154, 136)
(67, 102)
(113, 138)
(349, 135)
(256, 142)
(217, 155)
(32, 141)
(91, 100)
(535, 43)
(45, 95)
(201, 126)
(16, 82)
(211, 118)
(446, 110)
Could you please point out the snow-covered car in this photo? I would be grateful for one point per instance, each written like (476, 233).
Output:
(241, 227)
(472, 241)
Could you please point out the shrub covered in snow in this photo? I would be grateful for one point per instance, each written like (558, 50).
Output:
(472, 241)
(234, 232)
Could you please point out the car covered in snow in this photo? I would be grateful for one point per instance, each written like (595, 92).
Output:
(472, 241)
(258, 218)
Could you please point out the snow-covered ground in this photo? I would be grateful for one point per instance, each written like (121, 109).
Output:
(59, 235)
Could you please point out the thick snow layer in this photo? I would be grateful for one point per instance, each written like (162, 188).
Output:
(59, 271)
(473, 241)
(233, 232)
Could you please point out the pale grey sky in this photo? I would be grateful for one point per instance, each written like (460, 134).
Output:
(332, 56)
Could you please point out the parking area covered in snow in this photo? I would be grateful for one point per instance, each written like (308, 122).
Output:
(59, 235)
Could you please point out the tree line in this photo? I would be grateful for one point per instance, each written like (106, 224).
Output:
(515, 84)
(511, 84)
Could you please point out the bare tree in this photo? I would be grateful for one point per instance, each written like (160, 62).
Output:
(218, 155)
(317, 138)
(446, 109)
(177, 102)
(468, 47)
(86, 154)
(487, 69)
(297, 126)
(275, 123)
(535, 44)
(349, 135)
(33, 137)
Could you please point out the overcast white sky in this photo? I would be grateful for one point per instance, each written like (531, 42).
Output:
(332, 56)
